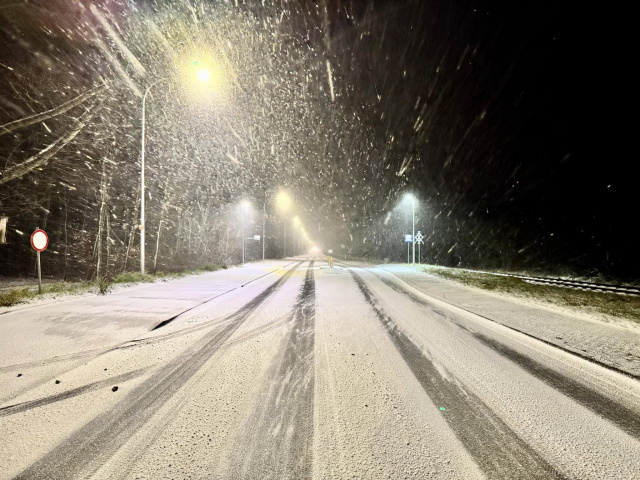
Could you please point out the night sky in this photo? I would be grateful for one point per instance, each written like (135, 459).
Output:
(517, 131)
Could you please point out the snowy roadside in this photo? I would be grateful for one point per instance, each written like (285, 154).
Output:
(74, 290)
(603, 306)
(58, 291)
(21, 294)
(613, 342)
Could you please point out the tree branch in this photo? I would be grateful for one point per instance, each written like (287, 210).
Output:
(54, 112)
(42, 157)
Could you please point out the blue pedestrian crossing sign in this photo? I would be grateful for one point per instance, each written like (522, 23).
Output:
(408, 238)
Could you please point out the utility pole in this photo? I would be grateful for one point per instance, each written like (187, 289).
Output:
(243, 238)
(413, 232)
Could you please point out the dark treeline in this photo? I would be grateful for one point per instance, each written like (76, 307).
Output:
(71, 123)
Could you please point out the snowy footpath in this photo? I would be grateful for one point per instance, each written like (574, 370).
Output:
(615, 345)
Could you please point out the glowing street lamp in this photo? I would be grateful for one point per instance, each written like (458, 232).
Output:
(206, 71)
(204, 75)
(284, 202)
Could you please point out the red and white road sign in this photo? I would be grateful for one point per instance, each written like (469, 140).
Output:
(39, 240)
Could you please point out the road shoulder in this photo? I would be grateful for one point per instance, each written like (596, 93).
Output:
(613, 346)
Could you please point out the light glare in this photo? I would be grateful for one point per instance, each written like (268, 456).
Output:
(204, 75)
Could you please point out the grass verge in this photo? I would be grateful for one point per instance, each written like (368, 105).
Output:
(23, 294)
(592, 302)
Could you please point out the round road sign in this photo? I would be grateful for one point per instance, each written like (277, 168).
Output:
(39, 240)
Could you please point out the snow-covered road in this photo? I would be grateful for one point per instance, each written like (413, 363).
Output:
(290, 369)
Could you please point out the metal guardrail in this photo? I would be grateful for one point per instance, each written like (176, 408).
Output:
(558, 282)
(564, 283)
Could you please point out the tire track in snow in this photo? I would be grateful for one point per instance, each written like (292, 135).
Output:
(100, 351)
(605, 364)
(623, 417)
(90, 387)
(495, 447)
(277, 440)
(30, 404)
(82, 453)
(59, 358)
(600, 404)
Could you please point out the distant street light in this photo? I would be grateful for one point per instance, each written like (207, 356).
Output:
(203, 76)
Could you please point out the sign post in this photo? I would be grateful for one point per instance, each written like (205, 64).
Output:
(3, 229)
(408, 239)
(330, 252)
(39, 242)
(419, 241)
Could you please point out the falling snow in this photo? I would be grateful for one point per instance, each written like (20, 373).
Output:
(345, 109)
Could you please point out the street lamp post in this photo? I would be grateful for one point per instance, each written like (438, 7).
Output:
(203, 76)
(244, 240)
(296, 223)
(264, 221)
(412, 197)
(413, 227)
(283, 206)
(142, 189)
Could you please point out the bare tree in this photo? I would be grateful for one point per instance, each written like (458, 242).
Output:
(43, 156)
(54, 112)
